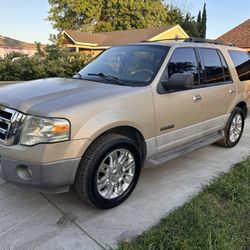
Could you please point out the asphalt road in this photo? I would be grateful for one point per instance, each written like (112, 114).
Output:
(32, 220)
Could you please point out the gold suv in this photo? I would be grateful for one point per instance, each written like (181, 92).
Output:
(134, 105)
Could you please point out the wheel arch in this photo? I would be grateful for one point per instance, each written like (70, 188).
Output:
(243, 106)
(130, 132)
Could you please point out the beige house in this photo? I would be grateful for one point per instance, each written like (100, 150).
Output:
(240, 35)
(97, 42)
(8, 45)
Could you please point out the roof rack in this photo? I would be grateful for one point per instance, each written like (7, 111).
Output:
(176, 39)
(203, 40)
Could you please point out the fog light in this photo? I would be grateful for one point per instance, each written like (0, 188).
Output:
(24, 172)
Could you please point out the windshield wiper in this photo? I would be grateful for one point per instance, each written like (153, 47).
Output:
(78, 74)
(107, 77)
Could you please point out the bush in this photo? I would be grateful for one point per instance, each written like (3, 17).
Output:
(48, 62)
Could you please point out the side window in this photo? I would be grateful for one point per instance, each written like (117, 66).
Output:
(213, 68)
(183, 60)
(227, 75)
(241, 62)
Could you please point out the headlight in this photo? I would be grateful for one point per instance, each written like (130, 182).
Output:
(44, 130)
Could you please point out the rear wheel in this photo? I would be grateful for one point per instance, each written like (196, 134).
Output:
(109, 171)
(234, 129)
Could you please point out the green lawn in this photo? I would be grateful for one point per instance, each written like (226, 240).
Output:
(217, 218)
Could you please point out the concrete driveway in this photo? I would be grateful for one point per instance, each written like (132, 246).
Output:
(31, 220)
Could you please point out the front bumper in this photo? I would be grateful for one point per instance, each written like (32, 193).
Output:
(55, 177)
(46, 167)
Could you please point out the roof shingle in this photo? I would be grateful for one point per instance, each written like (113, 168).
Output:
(116, 37)
(7, 42)
(239, 35)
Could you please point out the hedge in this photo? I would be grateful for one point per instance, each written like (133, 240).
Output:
(48, 62)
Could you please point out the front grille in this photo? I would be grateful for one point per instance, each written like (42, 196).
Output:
(5, 122)
(10, 125)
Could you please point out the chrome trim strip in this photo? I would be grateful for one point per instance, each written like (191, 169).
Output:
(12, 134)
(3, 131)
(4, 120)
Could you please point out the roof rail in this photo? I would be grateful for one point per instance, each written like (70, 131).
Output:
(166, 39)
(203, 40)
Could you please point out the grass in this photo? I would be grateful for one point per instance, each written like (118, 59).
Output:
(217, 218)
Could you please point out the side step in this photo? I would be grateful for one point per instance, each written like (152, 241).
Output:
(170, 155)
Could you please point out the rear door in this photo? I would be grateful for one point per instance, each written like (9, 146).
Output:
(221, 91)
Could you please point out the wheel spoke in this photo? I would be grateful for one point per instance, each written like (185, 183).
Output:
(128, 177)
(110, 190)
(120, 189)
(104, 168)
(102, 182)
(128, 165)
(123, 157)
(113, 159)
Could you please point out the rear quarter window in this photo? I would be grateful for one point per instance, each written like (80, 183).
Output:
(241, 61)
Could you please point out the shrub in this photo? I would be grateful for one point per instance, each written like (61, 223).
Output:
(48, 62)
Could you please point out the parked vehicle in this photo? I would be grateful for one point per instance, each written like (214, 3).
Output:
(135, 105)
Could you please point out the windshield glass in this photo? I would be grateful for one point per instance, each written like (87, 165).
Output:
(131, 65)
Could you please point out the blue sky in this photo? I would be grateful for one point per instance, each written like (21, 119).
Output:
(25, 19)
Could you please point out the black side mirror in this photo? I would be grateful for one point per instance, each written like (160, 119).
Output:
(179, 81)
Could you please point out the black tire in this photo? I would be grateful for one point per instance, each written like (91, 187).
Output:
(226, 141)
(86, 177)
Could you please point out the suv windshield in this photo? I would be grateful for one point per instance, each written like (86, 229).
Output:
(131, 65)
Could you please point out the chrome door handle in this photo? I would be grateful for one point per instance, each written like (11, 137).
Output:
(231, 91)
(197, 98)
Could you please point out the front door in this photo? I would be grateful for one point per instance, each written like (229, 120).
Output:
(180, 114)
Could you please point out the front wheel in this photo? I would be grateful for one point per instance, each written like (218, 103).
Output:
(234, 129)
(109, 171)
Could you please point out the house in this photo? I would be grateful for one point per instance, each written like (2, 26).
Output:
(8, 45)
(240, 35)
(97, 42)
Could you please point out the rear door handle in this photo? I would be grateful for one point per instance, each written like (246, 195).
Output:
(197, 98)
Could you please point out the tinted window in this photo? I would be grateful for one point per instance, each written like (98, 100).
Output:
(132, 65)
(241, 62)
(183, 60)
(227, 76)
(213, 68)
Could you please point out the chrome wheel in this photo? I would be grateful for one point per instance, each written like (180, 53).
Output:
(115, 173)
(235, 128)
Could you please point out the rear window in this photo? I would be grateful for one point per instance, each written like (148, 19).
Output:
(241, 62)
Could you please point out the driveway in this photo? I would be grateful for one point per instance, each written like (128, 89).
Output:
(32, 220)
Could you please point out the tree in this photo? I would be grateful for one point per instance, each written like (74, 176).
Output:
(193, 27)
(106, 15)
(73, 14)
(203, 24)
(186, 21)
(199, 23)
(190, 25)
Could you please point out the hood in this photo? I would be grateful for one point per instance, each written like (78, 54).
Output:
(40, 97)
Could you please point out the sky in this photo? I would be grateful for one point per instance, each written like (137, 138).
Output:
(26, 19)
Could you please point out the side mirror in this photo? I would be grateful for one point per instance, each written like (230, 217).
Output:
(179, 81)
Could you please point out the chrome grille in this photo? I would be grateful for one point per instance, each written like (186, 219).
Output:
(10, 125)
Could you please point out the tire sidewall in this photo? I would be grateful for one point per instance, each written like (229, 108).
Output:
(94, 195)
(237, 111)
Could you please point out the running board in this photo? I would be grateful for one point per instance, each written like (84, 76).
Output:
(188, 148)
